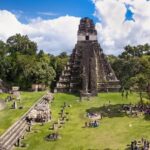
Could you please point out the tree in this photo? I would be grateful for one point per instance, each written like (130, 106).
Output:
(41, 72)
(21, 44)
(111, 58)
(3, 49)
(145, 61)
(22, 66)
(63, 55)
(58, 63)
(133, 61)
(3, 55)
(135, 51)
(140, 83)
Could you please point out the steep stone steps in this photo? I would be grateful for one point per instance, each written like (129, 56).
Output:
(8, 143)
(17, 130)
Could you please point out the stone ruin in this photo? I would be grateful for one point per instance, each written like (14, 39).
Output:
(41, 113)
(88, 71)
(15, 93)
(2, 104)
(38, 87)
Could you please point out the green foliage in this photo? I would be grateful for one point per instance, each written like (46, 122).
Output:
(21, 44)
(21, 65)
(41, 72)
(135, 51)
(3, 62)
(132, 67)
(63, 55)
(58, 64)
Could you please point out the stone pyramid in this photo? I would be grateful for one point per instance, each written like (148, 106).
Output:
(88, 71)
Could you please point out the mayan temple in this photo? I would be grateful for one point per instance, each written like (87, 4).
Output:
(87, 71)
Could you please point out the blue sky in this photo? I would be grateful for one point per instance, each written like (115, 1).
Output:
(49, 9)
(117, 22)
(28, 9)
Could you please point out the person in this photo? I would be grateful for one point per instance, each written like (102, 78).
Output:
(95, 123)
(18, 142)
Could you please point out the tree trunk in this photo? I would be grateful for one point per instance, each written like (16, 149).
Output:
(148, 90)
(141, 98)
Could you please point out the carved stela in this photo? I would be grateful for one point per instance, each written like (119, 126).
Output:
(87, 71)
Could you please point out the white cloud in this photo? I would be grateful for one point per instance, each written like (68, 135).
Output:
(114, 33)
(47, 13)
(60, 34)
(9, 25)
(53, 35)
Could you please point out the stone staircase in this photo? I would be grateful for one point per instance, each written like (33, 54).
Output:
(71, 78)
(17, 130)
(13, 134)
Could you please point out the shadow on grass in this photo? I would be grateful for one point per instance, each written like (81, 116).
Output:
(112, 111)
(147, 117)
(108, 111)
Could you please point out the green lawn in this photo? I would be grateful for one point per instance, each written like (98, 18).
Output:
(114, 133)
(8, 116)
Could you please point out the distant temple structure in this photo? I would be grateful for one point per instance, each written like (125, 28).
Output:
(87, 71)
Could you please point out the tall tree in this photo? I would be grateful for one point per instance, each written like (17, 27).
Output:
(21, 44)
(3, 62)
